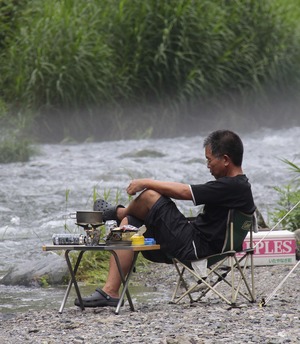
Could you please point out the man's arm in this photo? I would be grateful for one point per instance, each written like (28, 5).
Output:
(170, 189)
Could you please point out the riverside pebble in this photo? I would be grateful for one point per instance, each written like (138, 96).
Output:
(159, 322)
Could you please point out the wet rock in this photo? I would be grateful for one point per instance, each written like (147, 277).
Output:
(51, 268)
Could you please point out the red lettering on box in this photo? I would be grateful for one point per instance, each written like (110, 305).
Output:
(272, 247)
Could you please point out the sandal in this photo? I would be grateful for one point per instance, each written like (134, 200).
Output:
(109, 211)
(98, 299)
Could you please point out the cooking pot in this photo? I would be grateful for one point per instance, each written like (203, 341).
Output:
(88, 217)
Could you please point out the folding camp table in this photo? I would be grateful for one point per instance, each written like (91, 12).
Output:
(100, 247)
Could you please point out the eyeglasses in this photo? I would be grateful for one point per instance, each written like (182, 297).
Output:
(209, 161)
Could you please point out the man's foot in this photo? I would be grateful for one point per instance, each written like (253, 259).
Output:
(109, 211)
(98, 299)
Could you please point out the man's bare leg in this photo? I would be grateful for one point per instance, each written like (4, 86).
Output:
(113, 282)
(139, 208)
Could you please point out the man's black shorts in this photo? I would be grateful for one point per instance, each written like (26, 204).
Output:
(171, 229)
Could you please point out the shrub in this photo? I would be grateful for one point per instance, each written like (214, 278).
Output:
(14, 146)
(289, 197)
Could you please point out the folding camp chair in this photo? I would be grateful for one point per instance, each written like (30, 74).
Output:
(232, 265)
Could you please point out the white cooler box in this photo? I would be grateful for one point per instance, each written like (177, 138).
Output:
(277, 248)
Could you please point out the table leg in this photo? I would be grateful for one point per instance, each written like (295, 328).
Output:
(125, 281)
(72, 280)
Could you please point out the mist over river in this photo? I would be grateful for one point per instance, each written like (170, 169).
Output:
(33, 194)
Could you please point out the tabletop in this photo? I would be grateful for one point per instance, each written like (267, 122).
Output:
(100, 247)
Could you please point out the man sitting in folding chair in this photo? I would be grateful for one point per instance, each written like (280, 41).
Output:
(181, 238)
(233, 256)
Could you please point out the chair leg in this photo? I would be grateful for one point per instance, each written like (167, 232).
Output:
(233, 294)
(235, 283)
(252, 277)
(182, 281)
(236, 289)
(250, 284)
(212, 287)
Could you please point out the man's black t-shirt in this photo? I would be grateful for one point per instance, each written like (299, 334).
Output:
(218, 197)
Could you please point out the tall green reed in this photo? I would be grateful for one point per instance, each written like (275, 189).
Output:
(76, 53)
(99, 58)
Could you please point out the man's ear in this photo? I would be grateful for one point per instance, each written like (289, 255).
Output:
(227, 159)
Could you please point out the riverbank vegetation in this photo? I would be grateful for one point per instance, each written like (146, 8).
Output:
(289, 198)
(15, 144)
(111, 69)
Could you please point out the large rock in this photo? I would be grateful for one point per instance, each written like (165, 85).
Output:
(49, 269)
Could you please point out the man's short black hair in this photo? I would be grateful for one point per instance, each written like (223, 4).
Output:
(226, 142)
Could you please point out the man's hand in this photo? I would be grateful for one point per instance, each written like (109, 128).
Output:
(169, 189)
(135, 186)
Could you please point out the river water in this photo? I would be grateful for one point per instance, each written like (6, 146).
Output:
(34, 201)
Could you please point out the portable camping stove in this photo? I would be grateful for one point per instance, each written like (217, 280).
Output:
(92, 233)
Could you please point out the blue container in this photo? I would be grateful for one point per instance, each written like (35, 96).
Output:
(150, 241)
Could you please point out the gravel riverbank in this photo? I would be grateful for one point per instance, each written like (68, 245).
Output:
(156, 321)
